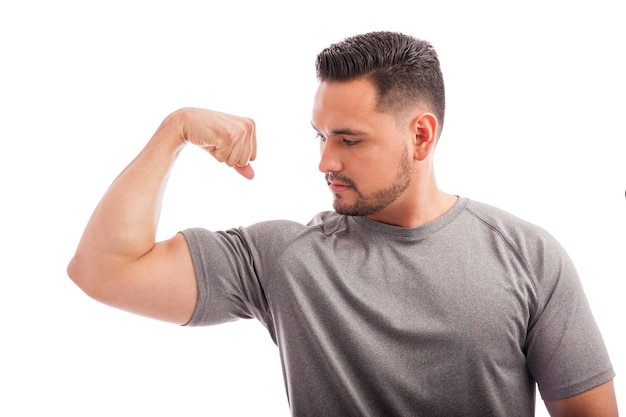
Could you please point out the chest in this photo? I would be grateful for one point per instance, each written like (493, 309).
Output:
(475, 297)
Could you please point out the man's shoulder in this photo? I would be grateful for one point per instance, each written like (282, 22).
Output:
(522, 234)
(501, 219)
(323, 222)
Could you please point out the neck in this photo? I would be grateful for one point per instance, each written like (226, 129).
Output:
(419, 205)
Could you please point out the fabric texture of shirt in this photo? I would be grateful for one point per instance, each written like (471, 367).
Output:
(458, 317)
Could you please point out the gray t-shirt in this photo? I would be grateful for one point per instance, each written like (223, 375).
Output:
(458, 317)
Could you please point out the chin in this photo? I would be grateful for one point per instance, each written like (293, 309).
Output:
(355, 209)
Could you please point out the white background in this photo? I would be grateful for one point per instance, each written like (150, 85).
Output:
(535, 125)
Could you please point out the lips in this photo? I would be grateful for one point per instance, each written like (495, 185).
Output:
(338, 184)
(336, 187)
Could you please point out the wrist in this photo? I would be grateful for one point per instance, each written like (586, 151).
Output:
(172, 131)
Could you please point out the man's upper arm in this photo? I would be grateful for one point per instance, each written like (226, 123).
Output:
(597, 402)
(160, 285)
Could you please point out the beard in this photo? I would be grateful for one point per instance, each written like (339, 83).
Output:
(372, 203)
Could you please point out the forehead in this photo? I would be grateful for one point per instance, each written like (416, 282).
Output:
(345, 103)
(342, 95)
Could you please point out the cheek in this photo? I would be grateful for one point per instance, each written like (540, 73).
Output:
(386, 160)
(400, 162)
(377, 170)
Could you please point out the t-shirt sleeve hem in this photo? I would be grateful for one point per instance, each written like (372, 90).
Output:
(571, 390)
(194, 251)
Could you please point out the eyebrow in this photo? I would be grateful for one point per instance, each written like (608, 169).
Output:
(342, 132)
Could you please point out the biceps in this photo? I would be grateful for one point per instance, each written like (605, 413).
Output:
(160, 285)
(597, 402)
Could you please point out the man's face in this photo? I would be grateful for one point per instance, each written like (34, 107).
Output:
(365, 153)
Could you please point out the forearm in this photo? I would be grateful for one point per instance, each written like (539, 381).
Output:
(123, 226)
(117, 260)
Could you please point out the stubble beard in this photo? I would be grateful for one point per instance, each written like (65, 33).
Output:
(366, 205)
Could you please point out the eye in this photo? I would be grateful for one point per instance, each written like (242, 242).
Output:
(320, 137)
(349, 142)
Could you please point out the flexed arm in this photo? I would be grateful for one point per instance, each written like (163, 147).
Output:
(118, 261)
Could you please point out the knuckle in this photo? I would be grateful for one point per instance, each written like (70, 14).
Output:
(250, 124)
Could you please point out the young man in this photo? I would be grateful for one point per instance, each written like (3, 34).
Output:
(403, 301)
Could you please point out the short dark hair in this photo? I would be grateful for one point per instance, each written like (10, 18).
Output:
(403, 69)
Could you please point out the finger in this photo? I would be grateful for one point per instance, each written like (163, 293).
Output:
(253, 145)
(238, 155)
(210, 150)
(221, 150)
(246, 171)
(247, 148)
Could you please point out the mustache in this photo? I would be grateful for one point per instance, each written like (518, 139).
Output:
(330, 177)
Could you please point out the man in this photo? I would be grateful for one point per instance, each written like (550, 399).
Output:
(403, 301)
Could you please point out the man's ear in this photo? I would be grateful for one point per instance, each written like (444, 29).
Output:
(424, 128)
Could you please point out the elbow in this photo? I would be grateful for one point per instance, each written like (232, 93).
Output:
(79, 272)
(73, 271)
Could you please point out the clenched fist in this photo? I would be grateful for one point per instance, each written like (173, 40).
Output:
(230, 139)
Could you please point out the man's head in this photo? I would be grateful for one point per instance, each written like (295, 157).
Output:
(404, 70)
(378, 112)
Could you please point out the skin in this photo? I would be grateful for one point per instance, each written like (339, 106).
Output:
(377, 163)
(376, 150)
(599, 401)
(118, 261)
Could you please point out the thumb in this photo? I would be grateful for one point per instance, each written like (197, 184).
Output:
(246, 171)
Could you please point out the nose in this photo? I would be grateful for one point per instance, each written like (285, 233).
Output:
(330, 160)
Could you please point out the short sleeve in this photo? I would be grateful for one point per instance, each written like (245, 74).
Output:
(228, 287)
(233, 268)
(565, 351)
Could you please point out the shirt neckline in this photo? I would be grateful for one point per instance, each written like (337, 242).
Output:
(414, 232)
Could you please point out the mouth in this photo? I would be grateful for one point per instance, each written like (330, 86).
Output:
(337, 186)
